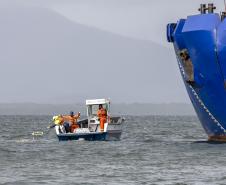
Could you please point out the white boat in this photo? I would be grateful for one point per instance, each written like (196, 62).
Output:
(89, 129)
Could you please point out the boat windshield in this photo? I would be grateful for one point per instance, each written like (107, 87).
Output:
(93, 109)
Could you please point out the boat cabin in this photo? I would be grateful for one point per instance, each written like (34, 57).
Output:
(92, 109)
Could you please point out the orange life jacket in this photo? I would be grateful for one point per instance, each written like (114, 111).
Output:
(102, 113)
(73, 127)
(71, 119)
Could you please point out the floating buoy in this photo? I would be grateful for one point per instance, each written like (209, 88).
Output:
(37, 133)
(81, 139)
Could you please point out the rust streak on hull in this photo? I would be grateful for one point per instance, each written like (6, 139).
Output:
(217, 138)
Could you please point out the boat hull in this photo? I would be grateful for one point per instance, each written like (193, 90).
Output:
(199, 42)
(106, 136)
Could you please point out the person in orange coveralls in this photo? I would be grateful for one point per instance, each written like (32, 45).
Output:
(102, 114)
(72, 120)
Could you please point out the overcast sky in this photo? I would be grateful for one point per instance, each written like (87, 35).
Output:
(129, 38)
(143, 19)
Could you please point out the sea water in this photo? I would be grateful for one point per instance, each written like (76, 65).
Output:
(152, 150)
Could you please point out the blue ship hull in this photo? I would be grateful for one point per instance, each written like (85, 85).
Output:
(200, 46)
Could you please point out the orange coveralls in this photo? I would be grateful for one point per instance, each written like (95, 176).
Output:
(102, 114)
(72, 121)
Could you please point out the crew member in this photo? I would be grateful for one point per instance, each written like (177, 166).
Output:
(72, 121)
(58, 124)
(102, 114)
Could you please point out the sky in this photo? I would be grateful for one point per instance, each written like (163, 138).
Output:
(142, 19)
(67, 51)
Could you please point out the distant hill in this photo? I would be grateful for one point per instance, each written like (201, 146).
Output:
(46, 58)
(116, 109)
